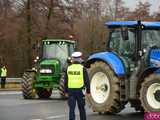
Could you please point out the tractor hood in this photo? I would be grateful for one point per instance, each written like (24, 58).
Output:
(49, 61)
(53, 64)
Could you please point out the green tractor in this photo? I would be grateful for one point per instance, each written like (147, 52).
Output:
(48, 72)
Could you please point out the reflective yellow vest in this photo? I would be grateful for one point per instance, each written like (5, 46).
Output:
(3, 72)
(75, 76)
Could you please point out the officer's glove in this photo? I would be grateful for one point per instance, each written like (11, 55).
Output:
(66, 95)
(87, 94)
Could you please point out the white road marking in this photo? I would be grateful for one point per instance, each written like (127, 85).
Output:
(36, 119)
(55, 93)
(10, 92)
(55, 117)
(52, 117)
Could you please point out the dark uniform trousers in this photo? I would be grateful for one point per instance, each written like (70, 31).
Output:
(76, 96)
(3, 82)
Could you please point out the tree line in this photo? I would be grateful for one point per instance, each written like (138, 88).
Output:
(25, 22)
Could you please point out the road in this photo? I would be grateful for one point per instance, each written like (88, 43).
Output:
(14, 107)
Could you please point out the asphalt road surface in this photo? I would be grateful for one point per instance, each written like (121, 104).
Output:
(14, 107)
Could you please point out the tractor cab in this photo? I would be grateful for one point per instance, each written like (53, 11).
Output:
(53, 60)
(133, 40)
(57, 49)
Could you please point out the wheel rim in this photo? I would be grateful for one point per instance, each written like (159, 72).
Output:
(100, 87)
(152, 95)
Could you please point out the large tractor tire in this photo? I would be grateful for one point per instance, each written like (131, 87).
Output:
(61, 87)
(44, 93)
(105, 89)
(27, 90)
(150, 93)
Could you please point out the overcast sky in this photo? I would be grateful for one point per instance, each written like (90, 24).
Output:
(154, 4)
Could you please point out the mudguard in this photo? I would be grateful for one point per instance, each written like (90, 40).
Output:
(31, 70)
(148, 71)
(110, 58)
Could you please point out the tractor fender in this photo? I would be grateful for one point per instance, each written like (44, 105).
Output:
(148, 71)
(30, 70)
(111, 59)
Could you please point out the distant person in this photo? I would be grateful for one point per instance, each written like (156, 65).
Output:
(3, 76)
(75, 80)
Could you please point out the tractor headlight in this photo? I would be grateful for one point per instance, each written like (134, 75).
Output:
(45, 71)
(34, 69)
(155, 62)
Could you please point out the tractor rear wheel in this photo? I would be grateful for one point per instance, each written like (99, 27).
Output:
(61, 87)
(27, 90)
(150, 93)
(105, 89)
(44, 93)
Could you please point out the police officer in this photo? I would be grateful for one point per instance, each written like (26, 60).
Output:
(76, 79)
(3, 76)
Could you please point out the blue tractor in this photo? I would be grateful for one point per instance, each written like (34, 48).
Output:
(128, 70)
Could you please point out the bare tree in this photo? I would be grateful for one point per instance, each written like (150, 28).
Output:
(23, 22)
(142, 11)
(156, 15)
(29, 31)
(115, 9)
(90, 29)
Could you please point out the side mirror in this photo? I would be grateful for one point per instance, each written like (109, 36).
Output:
(124, 33)
(34, 46)
(69, 60)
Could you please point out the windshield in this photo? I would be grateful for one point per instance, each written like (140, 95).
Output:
(55, 50)
(119, 45)
(150, 38)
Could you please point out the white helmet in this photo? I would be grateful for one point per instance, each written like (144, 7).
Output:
(76, 57)
(76, 54)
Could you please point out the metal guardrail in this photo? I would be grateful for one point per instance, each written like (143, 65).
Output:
(12, 84)
(13, 80)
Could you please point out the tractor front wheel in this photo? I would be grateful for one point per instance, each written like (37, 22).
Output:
(150, 93)
(27, 90)
(61, 87)
(44, 93)
(104, 88)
